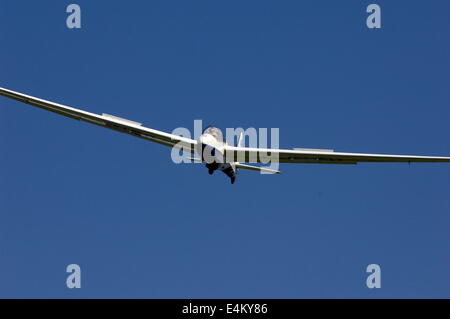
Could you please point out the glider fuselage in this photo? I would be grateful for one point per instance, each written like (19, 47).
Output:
(210, 149)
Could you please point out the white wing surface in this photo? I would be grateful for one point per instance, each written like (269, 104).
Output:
(316, 156)
(106, 120)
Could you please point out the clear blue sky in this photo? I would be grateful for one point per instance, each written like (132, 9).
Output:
(142, 226)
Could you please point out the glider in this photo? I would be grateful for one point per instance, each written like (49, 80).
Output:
(219, 156)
